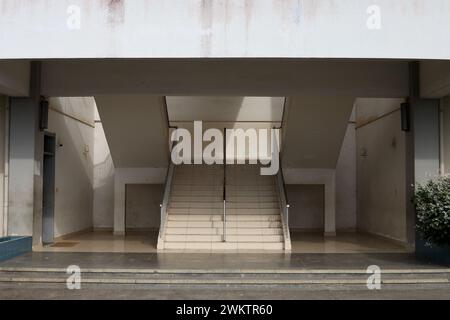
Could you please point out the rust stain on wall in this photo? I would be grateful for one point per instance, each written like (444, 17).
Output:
(115, 11)
(314, 8)
(206, 24)
(248, 14)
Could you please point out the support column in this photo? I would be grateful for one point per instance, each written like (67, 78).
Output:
(25, 163)
(330, 206)
(423, 146)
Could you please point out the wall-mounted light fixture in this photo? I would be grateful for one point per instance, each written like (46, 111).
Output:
(363, 152)
(43, 114)
(406, 116)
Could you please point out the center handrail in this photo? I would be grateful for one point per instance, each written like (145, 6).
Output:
(224, 185)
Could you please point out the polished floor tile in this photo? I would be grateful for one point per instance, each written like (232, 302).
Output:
(145, 242)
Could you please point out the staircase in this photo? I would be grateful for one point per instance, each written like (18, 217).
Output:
(195, 210)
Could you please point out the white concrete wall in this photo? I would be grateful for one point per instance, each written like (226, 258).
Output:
(315, 127)
(136, 129)
(308, 201)
(346, 180)
(381, 168)
(103, 180)
(214, 28)
(72, 119)
(225, 109)
(3, 207)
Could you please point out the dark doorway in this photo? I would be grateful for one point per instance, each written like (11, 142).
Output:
(48, 190)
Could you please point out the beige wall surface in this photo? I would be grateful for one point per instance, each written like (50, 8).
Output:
(346, 180)
(381, 169)
(315, 129)
(103, 216)
(142, 210)
(225, 109)
(136, 129)
(72, 120)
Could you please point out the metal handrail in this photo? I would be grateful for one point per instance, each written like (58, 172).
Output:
(284, 193)
(284, 202)
(166, 196)
(224, 185)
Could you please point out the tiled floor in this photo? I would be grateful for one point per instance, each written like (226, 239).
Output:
(348, 242)
(105, 241)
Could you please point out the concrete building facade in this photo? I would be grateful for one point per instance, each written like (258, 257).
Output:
(104, 85)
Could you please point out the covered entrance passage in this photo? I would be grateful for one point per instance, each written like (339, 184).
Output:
(118, 190)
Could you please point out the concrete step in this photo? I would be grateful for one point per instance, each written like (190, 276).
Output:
(218, 197)
(230, 231)
(229, 211)
(229, 205)
(207, 211)
(252, 205)
(195, 205)
(196, 198)
(265, 279)
(231, 193)
(196, 185)
(241, 188)
(218, 238)
(195, 214)
(197, 193)
(252, 198)
(216, 246)
(188, 187)
(218, 224)
(219, 217)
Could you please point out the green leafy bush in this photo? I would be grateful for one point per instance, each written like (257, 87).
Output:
(432, 202)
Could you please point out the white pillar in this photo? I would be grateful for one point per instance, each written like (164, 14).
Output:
(330, 205)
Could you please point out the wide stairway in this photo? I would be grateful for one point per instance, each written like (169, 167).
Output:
(195, 219)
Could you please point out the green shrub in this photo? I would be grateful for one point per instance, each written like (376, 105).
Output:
(432, 203)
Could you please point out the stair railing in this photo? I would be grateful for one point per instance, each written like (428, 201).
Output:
(283, 197)
(284, 202)
(166, 197)
(224, 225)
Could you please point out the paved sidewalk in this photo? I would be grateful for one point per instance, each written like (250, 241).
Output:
(55, 292)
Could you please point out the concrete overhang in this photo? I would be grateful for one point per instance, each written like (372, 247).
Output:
(226, 77)
(400, 29)
(14, 78)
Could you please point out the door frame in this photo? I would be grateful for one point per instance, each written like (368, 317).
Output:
(48, 187)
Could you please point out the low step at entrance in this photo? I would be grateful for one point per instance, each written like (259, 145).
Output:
(314, 277)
